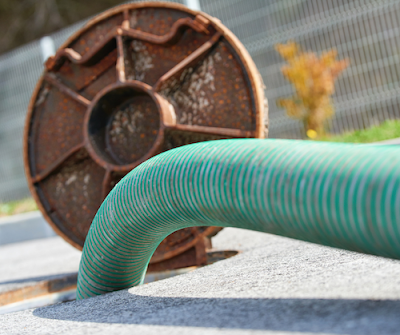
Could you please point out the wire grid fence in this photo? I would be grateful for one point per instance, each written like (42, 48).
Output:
(367, 32)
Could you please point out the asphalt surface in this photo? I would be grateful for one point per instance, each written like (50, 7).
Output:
(274, 286)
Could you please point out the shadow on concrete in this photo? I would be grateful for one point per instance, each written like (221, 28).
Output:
(337, 316)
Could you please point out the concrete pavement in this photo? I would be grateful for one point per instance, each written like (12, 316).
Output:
(24, 227)
(274, 286)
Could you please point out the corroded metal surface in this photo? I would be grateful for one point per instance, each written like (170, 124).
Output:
(135, 81)
(34, 289)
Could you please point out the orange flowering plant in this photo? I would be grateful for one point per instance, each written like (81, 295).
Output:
(313, 79)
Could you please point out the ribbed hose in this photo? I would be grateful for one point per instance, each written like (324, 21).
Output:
(341, 195)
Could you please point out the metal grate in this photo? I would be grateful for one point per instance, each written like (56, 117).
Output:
(366, 32)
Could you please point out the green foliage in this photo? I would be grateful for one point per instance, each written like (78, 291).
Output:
(385, 131)
(17, 207)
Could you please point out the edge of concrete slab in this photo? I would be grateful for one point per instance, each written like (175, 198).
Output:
(393, 141)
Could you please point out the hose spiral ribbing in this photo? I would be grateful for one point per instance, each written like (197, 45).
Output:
(340, 195)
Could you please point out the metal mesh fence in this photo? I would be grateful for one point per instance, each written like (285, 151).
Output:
(365, 32)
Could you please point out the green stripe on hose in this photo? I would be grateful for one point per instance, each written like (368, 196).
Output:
(340, 195)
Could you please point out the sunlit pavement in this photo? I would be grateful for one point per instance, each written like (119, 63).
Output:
(275, 285)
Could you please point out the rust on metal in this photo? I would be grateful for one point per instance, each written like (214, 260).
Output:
(137, 80)
(41, 288)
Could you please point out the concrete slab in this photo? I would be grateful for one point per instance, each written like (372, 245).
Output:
(28, 263)
(393, 141)
(274, 286)
(34, 274)
(24, 227)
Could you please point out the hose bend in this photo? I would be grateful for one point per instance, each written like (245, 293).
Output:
(340, 195)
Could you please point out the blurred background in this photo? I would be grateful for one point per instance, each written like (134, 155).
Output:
(364, 33)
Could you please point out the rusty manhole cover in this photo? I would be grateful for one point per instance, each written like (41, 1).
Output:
(137, 80)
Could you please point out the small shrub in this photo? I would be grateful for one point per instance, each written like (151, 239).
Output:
(313, 79)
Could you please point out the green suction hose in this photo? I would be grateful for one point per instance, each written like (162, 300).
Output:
(340, 195)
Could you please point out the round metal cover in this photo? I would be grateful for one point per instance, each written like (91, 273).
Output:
(137, 80)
